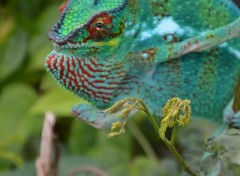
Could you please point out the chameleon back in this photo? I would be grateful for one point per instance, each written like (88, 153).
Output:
(207, 78)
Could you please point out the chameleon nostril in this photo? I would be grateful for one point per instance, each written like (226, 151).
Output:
(75, 113)
(95, 2)
(54, 36)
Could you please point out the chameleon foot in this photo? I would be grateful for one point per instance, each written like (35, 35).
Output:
(236, 120)
(230, 117)
(94, 116)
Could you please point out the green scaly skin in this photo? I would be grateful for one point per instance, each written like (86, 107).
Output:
(106, 50)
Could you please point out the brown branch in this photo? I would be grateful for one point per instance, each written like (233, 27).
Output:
(47, 163)
(236, 103)
(88, 170)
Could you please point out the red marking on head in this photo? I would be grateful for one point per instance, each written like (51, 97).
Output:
(62, 68)
(49, 61)
(99, 27)
(85, 72)
(62, 7)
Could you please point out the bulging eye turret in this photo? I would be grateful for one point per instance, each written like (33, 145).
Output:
(100, 27)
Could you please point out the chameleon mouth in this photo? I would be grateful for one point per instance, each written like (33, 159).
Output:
(81, 50)
(70, 46)
(67, 45)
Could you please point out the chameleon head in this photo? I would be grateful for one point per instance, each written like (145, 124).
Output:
(86, 39)
(89, 28)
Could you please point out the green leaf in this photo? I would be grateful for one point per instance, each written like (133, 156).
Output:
(17, 160)
(56, 100)
(15, 101)
(40, 46)
(14, 54)
(143, 166)
(28, 170)
(44, 23)
(47, 83)
(82, 138)
(114, 159)
(67, 164)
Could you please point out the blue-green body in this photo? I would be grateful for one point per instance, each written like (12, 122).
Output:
(153, 50)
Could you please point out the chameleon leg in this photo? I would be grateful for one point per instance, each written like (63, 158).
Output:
(202, 42)
(94, 116)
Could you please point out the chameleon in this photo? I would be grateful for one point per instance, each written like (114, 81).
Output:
(107, 50)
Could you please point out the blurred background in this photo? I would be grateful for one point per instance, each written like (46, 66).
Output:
(27, 92)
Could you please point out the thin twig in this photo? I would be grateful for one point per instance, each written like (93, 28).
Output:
(175, 153)
(150, 117)
(47, 163)
(88, 170)
(142, 140)
(174, 134)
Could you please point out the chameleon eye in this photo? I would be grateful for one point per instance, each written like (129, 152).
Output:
(100, 27)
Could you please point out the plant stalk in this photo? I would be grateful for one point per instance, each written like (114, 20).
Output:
(170, 144)
(178, 157)
(150, 117)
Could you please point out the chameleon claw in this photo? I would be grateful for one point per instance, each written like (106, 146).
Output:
(236, 120)
(230, 117)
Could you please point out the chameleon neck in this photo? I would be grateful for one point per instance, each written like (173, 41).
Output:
(87, 77)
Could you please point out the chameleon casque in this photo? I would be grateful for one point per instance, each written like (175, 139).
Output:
(107, 50)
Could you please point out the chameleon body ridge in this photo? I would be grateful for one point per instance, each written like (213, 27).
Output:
(107, 50)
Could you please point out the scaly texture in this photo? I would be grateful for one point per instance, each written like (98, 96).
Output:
(106, 50)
